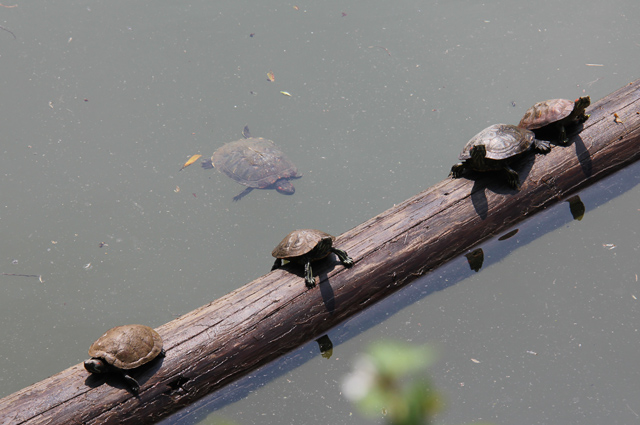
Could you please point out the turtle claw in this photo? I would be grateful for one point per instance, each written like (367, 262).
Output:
(542, 146)
(512, 178)
(133, 384)
(242, 194)
(563, 136)
(343, 256)
(309, 280)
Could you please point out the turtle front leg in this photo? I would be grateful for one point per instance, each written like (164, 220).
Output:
(242, 194)
(457, 170)
(343, 256)
(133, 384)
(277, 264)
(512, 177)
(309, 280)
(563, 135)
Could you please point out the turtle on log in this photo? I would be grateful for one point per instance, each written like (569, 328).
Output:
(305, 246)
(495, 147)
(124, 348)
(553, 115)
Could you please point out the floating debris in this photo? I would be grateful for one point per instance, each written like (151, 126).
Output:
(609, 246)
(190, 161)
(381, 47)
(39, 276)
(286, 93)
(270, 76)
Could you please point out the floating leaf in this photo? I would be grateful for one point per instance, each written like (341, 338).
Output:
(270, 76)
(191, 160)
(286, 93)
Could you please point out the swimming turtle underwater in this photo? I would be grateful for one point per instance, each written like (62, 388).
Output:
(305, 246)
(124, 348)
(495, 147)
(554, 115)
(256, 163)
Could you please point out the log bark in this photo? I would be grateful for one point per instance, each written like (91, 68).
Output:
(255, 324)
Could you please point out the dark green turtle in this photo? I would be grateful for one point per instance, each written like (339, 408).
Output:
(495, 147)
(305, 246)
(256, 163)
(554, 115)
(123, 348)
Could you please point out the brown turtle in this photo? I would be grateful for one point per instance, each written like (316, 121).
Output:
(123, 348)
(495, 147)
(305, 246)
(554, 115)
(256, 163)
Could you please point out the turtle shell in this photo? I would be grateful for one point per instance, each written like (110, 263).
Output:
(553, 110)
(501, 141)
(254, 162)
(302, 242)
(128, 346)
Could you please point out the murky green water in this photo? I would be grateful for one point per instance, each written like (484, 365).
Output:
(103, 102)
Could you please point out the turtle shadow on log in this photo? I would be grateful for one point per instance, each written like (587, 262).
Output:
(321, 269)
(583, 155)
(495, 181)
(115, 380)
(326, 291)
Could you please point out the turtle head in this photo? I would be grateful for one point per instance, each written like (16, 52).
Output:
(478, 152)
(95, 365)
(582, 102)
(579, 107)
(285, 187)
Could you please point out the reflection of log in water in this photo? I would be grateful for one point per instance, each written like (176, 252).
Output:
(273, 315)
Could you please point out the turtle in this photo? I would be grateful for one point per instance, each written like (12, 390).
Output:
(556, 114)
(256, 163)
(304, 246)
(123, 348)
(495, 147)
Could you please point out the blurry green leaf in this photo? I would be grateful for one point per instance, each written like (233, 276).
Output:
(396, 359)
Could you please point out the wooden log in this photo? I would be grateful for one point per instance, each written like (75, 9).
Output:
(232, 336)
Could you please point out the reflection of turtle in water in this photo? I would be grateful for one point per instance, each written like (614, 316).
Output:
(307, 245)
(495, 147)
(123, 348)
(554, 115)
(256, 163)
